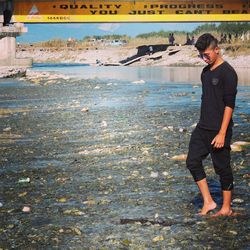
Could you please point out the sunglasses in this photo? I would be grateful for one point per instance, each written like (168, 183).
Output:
(204, 56)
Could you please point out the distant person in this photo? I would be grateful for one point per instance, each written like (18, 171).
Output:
(151, 50)
(213, 132)
(98, 62)
(188, 40)
(7, 8)
(229, 38)
(172, 39)
(221, 38)
(225, 38)
(242, 37)
(193, 40)
(248, 35)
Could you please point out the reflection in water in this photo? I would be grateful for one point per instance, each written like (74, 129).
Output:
(149, 74)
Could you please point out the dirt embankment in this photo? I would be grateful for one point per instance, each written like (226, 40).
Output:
(173, 56)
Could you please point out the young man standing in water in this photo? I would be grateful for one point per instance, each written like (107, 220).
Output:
(213, 132)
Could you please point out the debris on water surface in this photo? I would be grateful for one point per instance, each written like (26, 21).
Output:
(26, 209)
(238, 146)
(168, 128)
(139, 82)
(154, 174)
(104, 124)
(7, 129)
(74, 211)
(22, 194)
(182, 130)
(158, 238)
(76, 230)
(233, 232)
(241, 143)
(246, 176)
(165, 173)
(181, 157)
(24, 180)
(155, 221)
(89, 202)
(238, 200)
(156, 215)
(62, 200)
(85, 109)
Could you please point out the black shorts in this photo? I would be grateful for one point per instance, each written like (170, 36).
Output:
(199, 148)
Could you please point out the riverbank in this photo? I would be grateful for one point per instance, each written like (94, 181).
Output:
(177, 56)
(173, 56)
(7, 72)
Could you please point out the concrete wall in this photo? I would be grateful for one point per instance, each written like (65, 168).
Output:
(8, 46)
(8, 50)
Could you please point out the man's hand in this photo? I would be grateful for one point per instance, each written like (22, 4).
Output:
(219, 140)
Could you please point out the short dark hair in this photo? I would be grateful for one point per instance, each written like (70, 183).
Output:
(205, 40)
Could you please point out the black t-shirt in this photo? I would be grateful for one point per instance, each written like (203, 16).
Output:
(219, 88)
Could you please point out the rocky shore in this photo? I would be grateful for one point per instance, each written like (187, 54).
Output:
(7, 72)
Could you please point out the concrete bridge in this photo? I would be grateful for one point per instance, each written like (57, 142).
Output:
(8, 36)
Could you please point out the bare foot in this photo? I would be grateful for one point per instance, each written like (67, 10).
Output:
(224, 213)
(207, 207)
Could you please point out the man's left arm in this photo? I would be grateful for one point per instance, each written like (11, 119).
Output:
(219, 139)
(230, 91)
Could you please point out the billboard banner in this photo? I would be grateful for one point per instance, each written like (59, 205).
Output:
(130, 11)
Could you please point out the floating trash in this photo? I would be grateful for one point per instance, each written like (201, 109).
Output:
(26, 209)
(104, 124)
(182, 130)
(158, 238)
(22, 194)
(86, 109)
(62, 200)
(154, 174)
(238, 146)
(24, 180)
(7, 129)
(238, 200)
(139, 82)
(181, 157)
(165, 173)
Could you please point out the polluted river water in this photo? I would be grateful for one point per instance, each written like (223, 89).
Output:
(90, 161)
